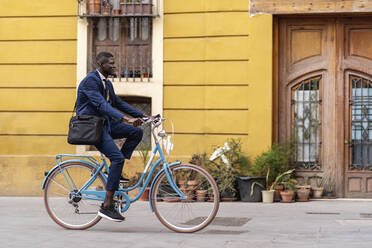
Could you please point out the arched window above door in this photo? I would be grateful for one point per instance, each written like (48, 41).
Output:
(305, 107)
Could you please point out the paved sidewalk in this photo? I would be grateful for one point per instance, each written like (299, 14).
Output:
(25, 223)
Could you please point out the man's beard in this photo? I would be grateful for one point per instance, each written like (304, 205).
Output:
(113, 74)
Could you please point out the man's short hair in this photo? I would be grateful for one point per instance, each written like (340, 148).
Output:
(103, 57)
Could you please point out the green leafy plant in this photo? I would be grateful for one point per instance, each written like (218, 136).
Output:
(330, 185)
(225, 175)
(273, 162)
(290, 184)
(280, 179)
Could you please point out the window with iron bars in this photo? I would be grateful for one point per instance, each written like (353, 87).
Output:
(306, 113)
(129, 39)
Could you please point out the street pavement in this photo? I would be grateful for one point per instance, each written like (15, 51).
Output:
(331, 223)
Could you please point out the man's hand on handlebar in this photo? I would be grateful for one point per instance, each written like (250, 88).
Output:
(132, 121)
(141, 120)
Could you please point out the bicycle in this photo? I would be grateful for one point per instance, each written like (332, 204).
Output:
(74, 189)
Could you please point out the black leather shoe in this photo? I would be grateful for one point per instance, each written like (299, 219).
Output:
(110, 213)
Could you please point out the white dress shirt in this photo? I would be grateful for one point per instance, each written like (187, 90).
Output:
(104, 84)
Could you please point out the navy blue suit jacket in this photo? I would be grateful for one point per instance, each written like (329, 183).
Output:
(90, 100)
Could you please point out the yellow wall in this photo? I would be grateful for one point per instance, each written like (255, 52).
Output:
(217, 75)
(37, 89)
(217, 82)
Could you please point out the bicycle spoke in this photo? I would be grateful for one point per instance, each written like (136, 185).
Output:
(62, 187)
(68, 207)
(185, 215)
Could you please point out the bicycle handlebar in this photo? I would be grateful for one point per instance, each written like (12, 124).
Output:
(152, 120)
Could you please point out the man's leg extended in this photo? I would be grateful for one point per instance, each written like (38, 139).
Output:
(109, 148)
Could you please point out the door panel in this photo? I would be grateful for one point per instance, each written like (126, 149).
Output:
(355, 70)
(306, 74)
(338, 53)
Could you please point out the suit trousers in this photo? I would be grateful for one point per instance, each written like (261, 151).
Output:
(108, 147)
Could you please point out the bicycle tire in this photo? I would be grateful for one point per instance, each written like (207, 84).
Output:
(50, 211)
(156, 201)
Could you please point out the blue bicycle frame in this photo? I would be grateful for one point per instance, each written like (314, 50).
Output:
(99, 195)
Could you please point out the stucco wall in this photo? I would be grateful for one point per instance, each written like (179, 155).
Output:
(217, 82)
(37, 89)
(217, 75)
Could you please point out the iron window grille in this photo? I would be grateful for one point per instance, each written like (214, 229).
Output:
(123, 28)
(118, 8)
(361, 123)
(306, 123)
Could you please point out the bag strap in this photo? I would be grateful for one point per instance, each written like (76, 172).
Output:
(74, 110)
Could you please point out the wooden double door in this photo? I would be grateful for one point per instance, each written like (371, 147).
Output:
(323, 99)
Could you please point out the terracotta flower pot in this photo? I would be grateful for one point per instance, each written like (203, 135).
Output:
(201, 195)
(133, 193)
(189, 192)
(193, 182)
(268, 196)
(303, 194)
(94, 7)
(317, 192)
(182, 183)
(287, 196)
(171, 200)
(145, 195)
(278, 189)
(106, 9)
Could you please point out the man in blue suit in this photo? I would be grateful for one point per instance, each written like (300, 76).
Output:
(96, 96)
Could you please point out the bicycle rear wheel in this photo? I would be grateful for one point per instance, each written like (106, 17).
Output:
(64, 206)
(192, 214)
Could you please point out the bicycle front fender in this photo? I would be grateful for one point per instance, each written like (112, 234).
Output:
(157, 175)
(64, 162)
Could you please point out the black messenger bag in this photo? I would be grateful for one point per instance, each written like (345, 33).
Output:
(85, 130)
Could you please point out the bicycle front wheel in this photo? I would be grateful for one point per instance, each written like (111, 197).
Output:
(191, 214)
(64, 205)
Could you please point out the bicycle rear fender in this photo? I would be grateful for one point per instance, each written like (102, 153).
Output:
(157, 175)
(64, 162)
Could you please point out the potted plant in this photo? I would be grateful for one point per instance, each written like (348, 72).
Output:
(318, 189)
(136, 7)
(132, 182)
(94, 7)
(329, 184)
(303, 192)
(106, 7)
(329, 189)
(268, 194)
(225, 164)
(274, 165)
(278, 188)
(201, 195)
(289, 190)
